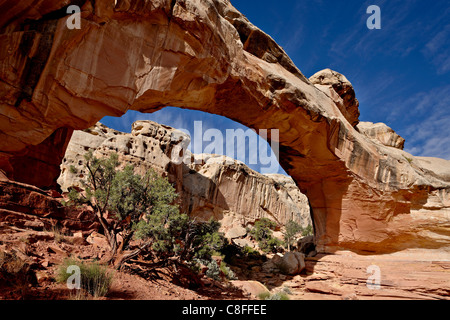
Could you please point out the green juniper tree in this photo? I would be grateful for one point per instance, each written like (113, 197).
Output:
(262, 232)
(129, 205)
(308, 231)
(292, 229)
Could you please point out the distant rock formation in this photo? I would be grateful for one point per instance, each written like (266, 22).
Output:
(212, 187)
(382, 133)
(205, 55)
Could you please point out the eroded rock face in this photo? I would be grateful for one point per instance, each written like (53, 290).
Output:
(205, 55)
(26, 206)
(211, 186)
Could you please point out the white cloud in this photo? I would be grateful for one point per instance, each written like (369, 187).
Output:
(428, 115)
(437, 50)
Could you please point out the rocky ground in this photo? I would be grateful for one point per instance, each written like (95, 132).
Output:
(338, 276)
(41, 233)
(42, 252)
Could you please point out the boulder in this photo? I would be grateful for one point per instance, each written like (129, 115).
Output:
(291, 263)
(236, 232)
(306, 245)
(251, 287)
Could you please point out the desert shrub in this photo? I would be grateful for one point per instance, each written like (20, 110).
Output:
(308, 231)
(57, 232)
(278, 296)
(95, 279)
(271, 245)
(143, 208)
(264, 295)
(229, 274)
(213, 271)
(292, 229)
(176, 235)
(262, 229)
(286, 290)
(281, 295)
(251, 253)
(410, 160)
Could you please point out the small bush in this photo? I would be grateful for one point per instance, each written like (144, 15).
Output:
(272, 245)
(262, 232)
(277, 296)
(96, 280)
(213, 271)
(229, 274)
(264, 295)
(410, 160)
(251, 253)
(286, 290)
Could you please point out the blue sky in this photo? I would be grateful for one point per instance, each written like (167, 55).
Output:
(401, 73)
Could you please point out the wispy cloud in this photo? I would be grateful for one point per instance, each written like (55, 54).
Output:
(397, 35)
(438, 50)
(428, 116)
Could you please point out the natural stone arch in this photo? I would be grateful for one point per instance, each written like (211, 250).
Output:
(202, 55)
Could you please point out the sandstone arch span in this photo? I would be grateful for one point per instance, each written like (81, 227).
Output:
(203, 55)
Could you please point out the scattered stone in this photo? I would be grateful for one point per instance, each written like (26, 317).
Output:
(244, 243)
(312, 254)
(251, 287)
(78, 235)
(236, 232)
(35, 224)
(45, 263)
(39, 236)
(43, 277)
(98, 240)
(351, 296)
(52, 249)
(79, 241)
